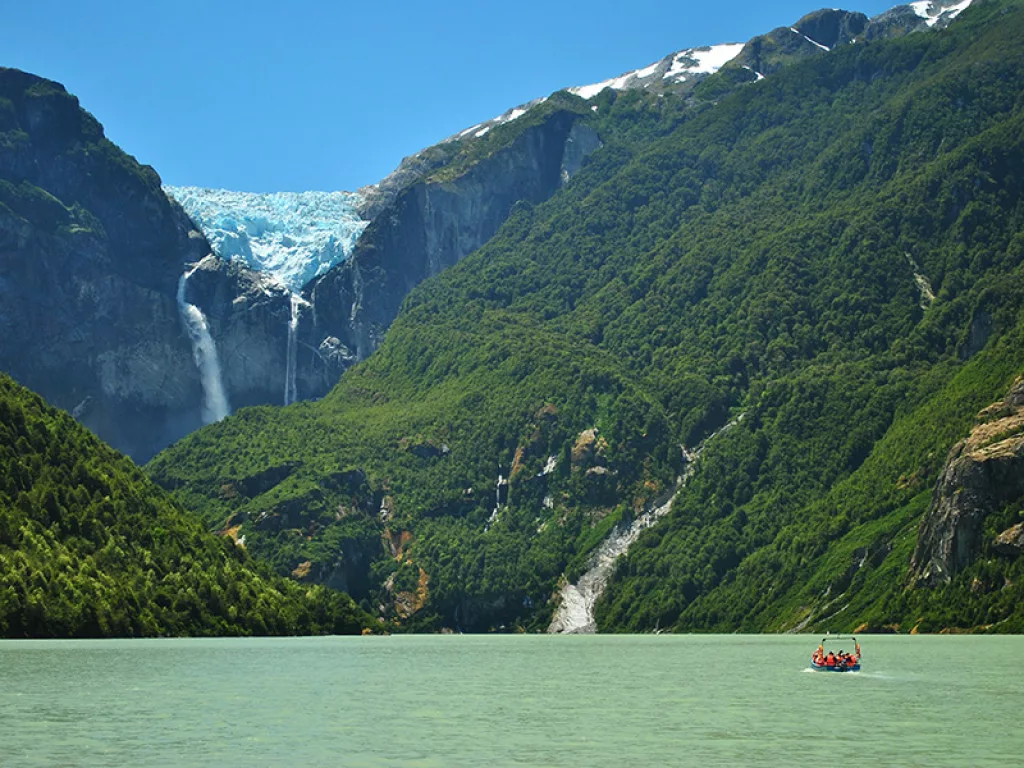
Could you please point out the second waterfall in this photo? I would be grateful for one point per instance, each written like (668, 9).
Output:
(290, 388)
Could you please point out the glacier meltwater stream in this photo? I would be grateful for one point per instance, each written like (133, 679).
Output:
(575, 612)
(292, 237)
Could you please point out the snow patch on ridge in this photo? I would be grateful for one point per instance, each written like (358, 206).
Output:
(677, 67)
(291, 236)
(481, 129)
(796, 31)
(933, 13)
(710, 60)
(702, 61)
(616, 83)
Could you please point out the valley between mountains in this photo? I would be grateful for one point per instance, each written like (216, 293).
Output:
(732, 342)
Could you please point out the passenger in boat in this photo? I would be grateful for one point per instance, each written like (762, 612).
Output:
(830, 660)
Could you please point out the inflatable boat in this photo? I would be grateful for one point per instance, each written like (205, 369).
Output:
(836, 659)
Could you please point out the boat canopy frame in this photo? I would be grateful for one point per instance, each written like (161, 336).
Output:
(832, 637)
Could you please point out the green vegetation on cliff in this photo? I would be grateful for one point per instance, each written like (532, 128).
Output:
(89, 547)
(834, 251)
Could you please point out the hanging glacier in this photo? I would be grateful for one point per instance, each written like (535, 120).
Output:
(291, 236)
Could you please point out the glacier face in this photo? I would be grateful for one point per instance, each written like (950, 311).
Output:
(292, 236)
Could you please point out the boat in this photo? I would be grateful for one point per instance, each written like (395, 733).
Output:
(836, 660)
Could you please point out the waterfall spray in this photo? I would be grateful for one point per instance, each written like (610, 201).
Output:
(204, 352)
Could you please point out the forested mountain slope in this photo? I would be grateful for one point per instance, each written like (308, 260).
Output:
(833, 252)
(89, 547)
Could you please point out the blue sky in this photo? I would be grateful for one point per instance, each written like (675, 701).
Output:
(274, 96)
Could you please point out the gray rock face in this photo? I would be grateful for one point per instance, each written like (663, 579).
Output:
(766, 54)
(249, 317)
(582, 142)
(831, 27)
(431, 225)
(983, 473)
(90, 253)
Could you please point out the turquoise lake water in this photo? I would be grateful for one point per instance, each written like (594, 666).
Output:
(509, 700)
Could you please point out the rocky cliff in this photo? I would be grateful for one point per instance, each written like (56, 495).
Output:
(814, 33)
(250, 316)
(983, 474)
(431, 224)
(90, 253)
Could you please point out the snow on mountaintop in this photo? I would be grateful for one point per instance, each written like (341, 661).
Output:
(696, 63)
(291, 236)
(676, 67)
(935, 12)
(507, 116)
(705, 61)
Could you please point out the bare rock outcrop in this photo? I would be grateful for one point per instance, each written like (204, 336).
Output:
(982, 474)
(1011, 541)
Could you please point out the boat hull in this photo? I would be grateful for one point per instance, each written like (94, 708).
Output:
(835, 668)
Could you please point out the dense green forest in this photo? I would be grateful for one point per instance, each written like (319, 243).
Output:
(90, 547)
(833, 252)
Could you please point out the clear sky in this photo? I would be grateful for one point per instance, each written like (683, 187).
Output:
(308, 94)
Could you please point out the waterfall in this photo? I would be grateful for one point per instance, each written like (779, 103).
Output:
(502, 483)
(289, 371)
(354, 319)
(291, 393)
(204, 352)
